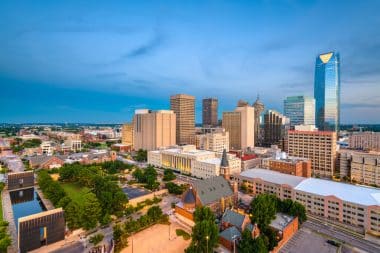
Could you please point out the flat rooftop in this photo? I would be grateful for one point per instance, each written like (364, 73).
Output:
(272, 176)
(281, 221)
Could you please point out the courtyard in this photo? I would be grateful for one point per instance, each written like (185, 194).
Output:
(155, 239)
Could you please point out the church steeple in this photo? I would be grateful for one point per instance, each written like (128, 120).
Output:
(224, 166)
(224, 162)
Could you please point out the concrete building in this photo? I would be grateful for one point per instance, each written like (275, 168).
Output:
(127, 134)
(360, 167)
(74, 142)
(154, 129)
(296, 166)
(365, 141)
(240, 126)
(318, 146)
(189, 160)
(355, 206)
(216, 141)
(300, 110)
(184, 108)
(210, 112)
(47, 148)
(259, 109)
(275, 128)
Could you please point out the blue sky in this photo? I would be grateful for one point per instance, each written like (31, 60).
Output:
(81, 61)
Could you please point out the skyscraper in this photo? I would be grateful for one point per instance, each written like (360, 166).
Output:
(210, 112)
(259, 108)
(300, 110)
(327, 91)
(240, 125)
(276, 126)
(184, 108)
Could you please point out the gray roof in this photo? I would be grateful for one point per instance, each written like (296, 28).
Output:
(40, 159)
(272, 176)
(224, 162)
(189, 197)
(233, 218)
(212, 189)
(230, 233)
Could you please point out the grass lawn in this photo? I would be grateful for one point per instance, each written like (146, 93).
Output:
(1, 208)
(75, 191)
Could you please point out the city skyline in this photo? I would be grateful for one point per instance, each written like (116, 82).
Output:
(77, 63)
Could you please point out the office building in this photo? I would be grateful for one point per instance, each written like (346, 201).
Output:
(189, 160)
(74, 143)
(210, 112)
(259, 108)
(359, 167)
(296, 166)
(184, 108)
(351, 205)
(300, 110)
(240, 126)
(154, 129)
(275, 128)
(327, 91)
(318, 146)
(215, 141)
(364, 141)
(127, 134)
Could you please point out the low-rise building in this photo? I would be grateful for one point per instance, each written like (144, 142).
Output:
(215, 141)
(47, 162)
(47, 148)
(296, 166)
(352, 205)
(189, 160)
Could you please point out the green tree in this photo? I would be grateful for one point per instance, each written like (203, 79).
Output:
(298, 210)
(154, 213)
(271, 238)
(263, 209)
(168, 175)
(246, 244)
(73, 215)
(91, 211)
(96, 239)
(205, 231)
(174, 188)
(141, 155)
(63, 202)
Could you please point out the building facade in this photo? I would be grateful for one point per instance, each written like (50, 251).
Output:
(275, 128)
(259, 109)
(215, 141)
(295, 166)
(240, 126)
(127, 134)
(184, 108)
(326, 198)
(154, 129)
(318, 146)
(300, 110)
(327, 91)
(210, 112)
(189, 160)
(365, 141)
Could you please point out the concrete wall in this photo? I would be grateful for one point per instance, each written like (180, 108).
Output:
(19, 180)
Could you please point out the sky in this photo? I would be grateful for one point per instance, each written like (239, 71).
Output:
(98, 61)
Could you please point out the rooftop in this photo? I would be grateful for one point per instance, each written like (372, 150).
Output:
(273, 176)
(212, 189)
(281, 221)
(230, 233)
(233, 218)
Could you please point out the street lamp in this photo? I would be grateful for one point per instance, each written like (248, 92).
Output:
(207, 237)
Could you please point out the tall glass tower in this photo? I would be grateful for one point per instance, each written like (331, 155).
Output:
(327, 91)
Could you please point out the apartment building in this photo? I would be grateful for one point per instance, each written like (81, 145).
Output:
(365, 141)
(184, 108)
(215, 141)
(154, 129)
(240, 126)
(355, 206)
(361, 167)
(318, 146)
(189, 160)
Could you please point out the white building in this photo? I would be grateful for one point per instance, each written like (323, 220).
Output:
(189, 160)
(47, 148)
(215, 141)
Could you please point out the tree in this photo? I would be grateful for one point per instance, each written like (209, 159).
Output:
(154, 213)
(263, 209)
(298, 210)
(246, 243)
(63, 202)
(168, 175)
(141, 155)
(271, 238)
(73, 215)
(96, 239)
(91, 211)
(205, 231)
(174, 188)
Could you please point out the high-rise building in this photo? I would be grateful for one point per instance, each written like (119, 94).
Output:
(259, 108)
(240, 126)
(184, 108)
(319, 146)
(127, 134)
(275, 128)
(327, 91)
(300, 110)
(210, 112)
(154, 129)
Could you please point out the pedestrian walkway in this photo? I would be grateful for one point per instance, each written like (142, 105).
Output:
(8, 216)
(47, 203)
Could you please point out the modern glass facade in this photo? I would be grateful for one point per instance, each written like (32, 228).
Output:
(327, 91)
(300, 110)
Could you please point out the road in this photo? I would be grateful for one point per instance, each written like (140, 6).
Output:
(76, 247)
(342, 236)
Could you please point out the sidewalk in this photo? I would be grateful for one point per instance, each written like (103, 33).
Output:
(8, 216)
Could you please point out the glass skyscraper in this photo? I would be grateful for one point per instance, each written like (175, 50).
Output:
(300, 110)
(327, 91)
